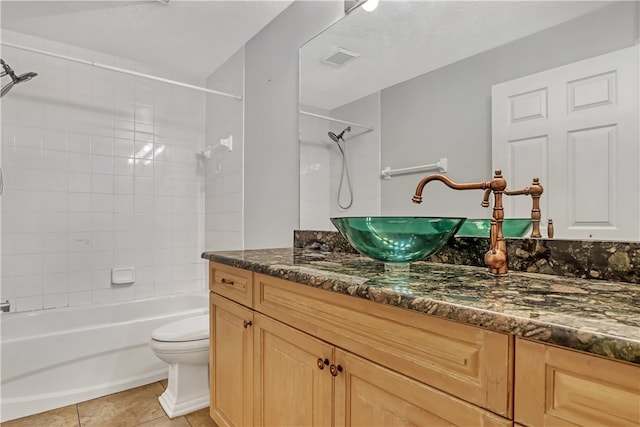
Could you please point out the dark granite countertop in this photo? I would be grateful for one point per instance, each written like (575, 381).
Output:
(598, 317)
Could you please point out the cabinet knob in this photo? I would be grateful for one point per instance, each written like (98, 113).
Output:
(322, 363)
(227, 282)
(247, 323)
(335, 370)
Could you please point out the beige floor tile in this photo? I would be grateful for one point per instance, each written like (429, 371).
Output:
(61, 417)
(166, 422)
(200, 418)
(125, 409)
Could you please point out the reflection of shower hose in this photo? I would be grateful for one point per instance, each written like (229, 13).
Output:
(345, 171)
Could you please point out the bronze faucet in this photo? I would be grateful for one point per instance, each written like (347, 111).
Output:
(535, 191)
(496, 256)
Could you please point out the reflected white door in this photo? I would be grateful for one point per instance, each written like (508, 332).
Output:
(575, 127)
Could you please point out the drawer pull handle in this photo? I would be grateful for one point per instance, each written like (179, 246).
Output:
(322, 363)
(247, 323)
(227, 282)
(335, 370)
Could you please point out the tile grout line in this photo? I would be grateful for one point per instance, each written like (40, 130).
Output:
(78, 414)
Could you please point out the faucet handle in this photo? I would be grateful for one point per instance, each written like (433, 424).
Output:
(550, 230)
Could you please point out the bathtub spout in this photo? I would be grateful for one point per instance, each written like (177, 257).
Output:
(5, 306)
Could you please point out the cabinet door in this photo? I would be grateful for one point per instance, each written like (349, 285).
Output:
(230, 362)
(293, 385)
(367, 394)
(556, 387)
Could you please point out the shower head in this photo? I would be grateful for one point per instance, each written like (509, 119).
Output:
(6, 70)
(338, 137)
(25, 77)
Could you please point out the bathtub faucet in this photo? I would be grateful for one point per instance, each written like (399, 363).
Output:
(5, 306)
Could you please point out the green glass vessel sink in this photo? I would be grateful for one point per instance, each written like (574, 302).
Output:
(511, 227)
(397, 239)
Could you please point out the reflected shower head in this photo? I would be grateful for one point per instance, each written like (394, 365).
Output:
(338, 137)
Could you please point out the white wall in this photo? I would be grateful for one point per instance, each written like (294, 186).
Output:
(100, 171)
(224, 181)
(271, 165)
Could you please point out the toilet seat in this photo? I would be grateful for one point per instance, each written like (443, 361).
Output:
(166, 348)
(185, 330)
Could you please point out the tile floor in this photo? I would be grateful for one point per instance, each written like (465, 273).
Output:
(138, 407)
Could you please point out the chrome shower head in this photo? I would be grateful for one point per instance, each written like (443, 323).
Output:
(338, 137)
(26, 77)
(8, 71)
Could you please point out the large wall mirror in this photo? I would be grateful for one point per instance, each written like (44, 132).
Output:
(536, 88)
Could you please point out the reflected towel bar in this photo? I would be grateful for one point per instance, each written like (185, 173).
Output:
(441, 166)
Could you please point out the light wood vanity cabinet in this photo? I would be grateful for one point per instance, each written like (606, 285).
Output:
(560, 387)
(317, 358)
(312, 357)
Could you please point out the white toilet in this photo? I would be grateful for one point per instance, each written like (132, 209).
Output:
(184, 345)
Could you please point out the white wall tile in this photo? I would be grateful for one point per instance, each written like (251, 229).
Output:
(102, 164)
(79, 142)
(56, 300)
(89, 183)
(56, 181)
(80, 298)
(79, 162)
(123, 184)
(123, 147)
(28, 286)
(54, 140)
(101, 183)
(54, 160)
(29, 303)
(54, 263)
(102, 145)
(28, 137)
(55, 283)
(101, 202)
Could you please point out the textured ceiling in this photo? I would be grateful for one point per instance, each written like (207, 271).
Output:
(404, 39)
(189, 37)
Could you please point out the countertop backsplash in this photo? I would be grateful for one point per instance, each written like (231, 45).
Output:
(586, 259)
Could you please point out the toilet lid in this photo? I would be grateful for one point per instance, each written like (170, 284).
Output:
(190, 329)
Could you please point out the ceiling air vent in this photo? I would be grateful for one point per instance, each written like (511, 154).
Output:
(340, 57)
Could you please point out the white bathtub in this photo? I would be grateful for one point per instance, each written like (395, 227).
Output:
(54, 358)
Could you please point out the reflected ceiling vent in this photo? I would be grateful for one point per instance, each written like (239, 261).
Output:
(340, 57)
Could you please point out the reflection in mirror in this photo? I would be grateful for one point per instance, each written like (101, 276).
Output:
(546, 89)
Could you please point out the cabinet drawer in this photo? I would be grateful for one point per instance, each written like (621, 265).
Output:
(556, 386)
(465, 361)
(231, 282)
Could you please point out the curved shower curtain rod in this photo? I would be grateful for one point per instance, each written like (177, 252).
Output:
(123, 70)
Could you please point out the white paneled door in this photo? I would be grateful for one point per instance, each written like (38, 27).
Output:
(575, 127)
